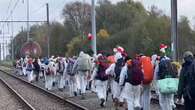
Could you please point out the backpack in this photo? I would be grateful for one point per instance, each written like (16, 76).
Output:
(83, 63)
(24, 64)
(134, 73)
(61, 67)
(101, 72)
(48, 71)
(165, 69)
(70, 67)
(111, 59)
(148, 70)
(118, 67)
(29, 67)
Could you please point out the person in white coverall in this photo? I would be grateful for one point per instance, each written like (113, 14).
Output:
(83, 66)
(101, 79)
(29, 70)
(61, 66)
(130, 92)
(116, 88)
(49, 73)
(70, 74)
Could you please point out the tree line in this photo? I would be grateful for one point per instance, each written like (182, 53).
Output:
(126, 23)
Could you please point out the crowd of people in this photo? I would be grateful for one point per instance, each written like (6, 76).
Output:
(129, 80)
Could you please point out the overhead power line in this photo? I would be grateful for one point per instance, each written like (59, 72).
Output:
(38, 9)
(11, 12)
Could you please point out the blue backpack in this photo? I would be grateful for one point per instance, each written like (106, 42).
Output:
(29, 67)
(70, 67)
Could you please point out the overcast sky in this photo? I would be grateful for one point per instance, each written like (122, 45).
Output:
(38, 10)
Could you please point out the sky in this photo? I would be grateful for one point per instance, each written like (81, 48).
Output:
(38, 11)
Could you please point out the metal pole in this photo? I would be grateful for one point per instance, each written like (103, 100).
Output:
(93, 13)
(12, 39)
(174, 29)
(6, 49)
(0, 52)
(48, 36)
(3, 44)
(82, 20)
(27, 23)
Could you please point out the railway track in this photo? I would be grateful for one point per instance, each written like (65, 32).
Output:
(37, 97)
(10, 99)
(92, 103)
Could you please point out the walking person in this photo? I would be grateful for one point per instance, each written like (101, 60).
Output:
(83, 65)
(131, 77)
(24, 65)
(36, 69)
(71, 76)
(186, 88)
(115, 70)
(165, 70)
(61, 65)
(101, 79)
(49, 73)
(19, 67)
(29, 70)
(148, 74)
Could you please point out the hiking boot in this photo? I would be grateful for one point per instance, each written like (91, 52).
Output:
(121, 104)
(137, 108)
(75, 93)
(80, 92)
(61, 90)
(53, 84)
(82, 97)
(102, 104)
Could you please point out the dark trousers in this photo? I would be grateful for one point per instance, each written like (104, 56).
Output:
(37, 75)
(189, 104)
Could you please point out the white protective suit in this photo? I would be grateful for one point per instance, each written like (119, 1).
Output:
(61, 77)
(49, 78)
(130, 93)
(166, 101)
(116, 88)
(29, 73)
(101, 86)
(81, 77)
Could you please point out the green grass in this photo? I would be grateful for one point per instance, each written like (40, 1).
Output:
(8, 63)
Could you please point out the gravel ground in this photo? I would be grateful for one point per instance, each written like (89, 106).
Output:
(8, 101)
(91, 101)
(39, 100)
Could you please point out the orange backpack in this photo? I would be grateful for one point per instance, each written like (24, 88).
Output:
(148, 69)
(111, 59)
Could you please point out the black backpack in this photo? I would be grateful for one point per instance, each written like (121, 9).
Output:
(165, 69)
(61, 67)
(118, 67)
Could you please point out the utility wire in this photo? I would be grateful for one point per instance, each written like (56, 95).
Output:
(38, 9)
(11, 12)
(8, 8)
